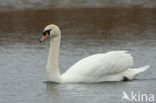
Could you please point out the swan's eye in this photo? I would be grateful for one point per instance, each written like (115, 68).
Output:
(46, 31)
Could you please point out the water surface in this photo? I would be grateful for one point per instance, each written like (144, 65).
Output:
(85, 31)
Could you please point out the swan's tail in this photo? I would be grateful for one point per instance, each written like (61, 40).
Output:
(137, 71)
(142, 69)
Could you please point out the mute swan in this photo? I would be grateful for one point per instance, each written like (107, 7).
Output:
(111, 66)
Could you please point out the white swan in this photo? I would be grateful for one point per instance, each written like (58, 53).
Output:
(111, 66)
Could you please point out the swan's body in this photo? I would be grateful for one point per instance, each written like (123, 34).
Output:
(111, 66)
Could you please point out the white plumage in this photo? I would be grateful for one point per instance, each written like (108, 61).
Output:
(111, 66)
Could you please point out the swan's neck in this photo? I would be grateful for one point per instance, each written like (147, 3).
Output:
(53, 73)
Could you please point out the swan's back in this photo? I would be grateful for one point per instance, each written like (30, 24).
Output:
(95, 67)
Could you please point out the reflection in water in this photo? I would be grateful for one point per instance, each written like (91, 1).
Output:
(95, 91)
(53, 91)
(85, 31)
(103, 22)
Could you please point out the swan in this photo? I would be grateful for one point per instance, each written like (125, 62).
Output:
(110, 66)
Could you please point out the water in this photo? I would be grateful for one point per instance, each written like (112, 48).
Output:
(85, 31)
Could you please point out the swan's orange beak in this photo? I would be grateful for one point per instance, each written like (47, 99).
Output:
(44, 37)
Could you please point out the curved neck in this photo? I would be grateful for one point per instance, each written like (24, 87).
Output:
(53, 73)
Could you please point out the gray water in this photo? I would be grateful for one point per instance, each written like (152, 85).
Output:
(86, 29)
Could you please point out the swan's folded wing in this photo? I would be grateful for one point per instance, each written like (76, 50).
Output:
(99, 65)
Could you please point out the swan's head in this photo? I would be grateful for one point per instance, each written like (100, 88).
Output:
(50, 31)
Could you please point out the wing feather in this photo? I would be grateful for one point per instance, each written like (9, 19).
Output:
(99, 65)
